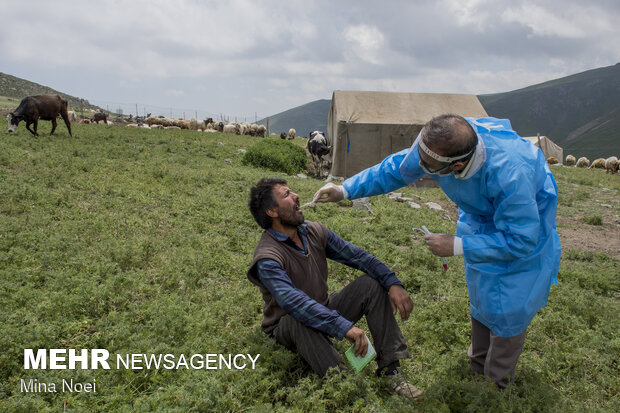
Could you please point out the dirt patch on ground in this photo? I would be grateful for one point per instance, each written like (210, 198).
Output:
(596, 238)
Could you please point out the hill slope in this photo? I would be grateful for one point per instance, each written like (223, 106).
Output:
(581, 112)
(17, 88)
(304, 119)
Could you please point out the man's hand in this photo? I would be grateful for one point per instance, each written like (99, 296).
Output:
(357, 337)
(329, 193)
(441, 245)
(401, 301)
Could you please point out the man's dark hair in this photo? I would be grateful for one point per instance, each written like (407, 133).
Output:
(449, 134)
(261, 199)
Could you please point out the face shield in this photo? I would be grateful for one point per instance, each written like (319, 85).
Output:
(446, 161)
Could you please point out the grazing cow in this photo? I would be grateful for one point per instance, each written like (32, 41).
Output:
(33, 108)
(320, 151)
(100, 116)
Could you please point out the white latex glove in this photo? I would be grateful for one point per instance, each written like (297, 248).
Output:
(330, 193)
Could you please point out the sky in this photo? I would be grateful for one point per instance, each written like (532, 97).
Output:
(249, 59)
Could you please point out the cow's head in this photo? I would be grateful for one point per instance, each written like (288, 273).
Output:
(12, 121)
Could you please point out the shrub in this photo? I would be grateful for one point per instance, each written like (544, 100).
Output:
(276, 155)
(593, 220)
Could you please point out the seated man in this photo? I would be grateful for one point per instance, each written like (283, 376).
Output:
(290, 269)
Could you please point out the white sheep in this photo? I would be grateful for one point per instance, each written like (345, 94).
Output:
(291, 133)
(583, 162)
(598, 163)
(261, 131)
(611, 165)
(230, 128)
(570, 160)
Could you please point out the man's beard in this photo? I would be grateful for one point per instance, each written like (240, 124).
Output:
(292, 218)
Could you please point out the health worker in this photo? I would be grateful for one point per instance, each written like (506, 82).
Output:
(506, 232)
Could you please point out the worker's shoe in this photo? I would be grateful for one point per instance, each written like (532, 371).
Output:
(403, 388)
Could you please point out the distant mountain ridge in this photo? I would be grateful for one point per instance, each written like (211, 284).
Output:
(17, 88)
(304, 119)
(580, 112)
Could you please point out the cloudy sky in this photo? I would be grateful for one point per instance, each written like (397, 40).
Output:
(254, 58)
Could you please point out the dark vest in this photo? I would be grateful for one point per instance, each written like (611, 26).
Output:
(307, 272)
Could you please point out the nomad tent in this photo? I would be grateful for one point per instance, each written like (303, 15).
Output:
(365, 127)
(548, 147)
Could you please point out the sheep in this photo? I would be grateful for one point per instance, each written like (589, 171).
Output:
(611, 165)
(197, 124)
(261, 131)
(230, 128)
(253, 129)
(598, 163)
(151, 120)
(583, 162)
(283, 135)
(570, 160)
(552, 160)
(291, 133)
(172, 127)
(72, 116)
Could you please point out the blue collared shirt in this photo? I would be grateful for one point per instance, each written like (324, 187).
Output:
(297, 303)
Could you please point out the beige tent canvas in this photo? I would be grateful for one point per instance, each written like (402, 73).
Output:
(548, 147)
(366, 127)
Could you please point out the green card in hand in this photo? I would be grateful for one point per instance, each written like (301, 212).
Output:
(357, 362)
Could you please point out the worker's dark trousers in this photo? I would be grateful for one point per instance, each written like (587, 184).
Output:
(492, 355)
(364, 296)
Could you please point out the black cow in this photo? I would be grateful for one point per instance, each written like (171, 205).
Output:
(33, 108)
(100, 116)
(319, 149)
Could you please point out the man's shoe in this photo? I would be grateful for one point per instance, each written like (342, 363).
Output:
(403, 388)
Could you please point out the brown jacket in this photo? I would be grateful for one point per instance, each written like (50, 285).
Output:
(307, 272)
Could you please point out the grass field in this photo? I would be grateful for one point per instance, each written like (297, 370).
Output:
(138, 241)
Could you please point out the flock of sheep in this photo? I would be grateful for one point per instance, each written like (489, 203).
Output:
(610, 164)
(208, 125)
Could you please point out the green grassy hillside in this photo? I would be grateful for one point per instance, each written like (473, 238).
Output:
(578, 112)
(15, 88)
(138, 241)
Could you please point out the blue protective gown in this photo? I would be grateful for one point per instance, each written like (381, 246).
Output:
(506, 220)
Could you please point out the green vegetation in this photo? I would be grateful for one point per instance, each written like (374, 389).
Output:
(578, 112)
(277, 155)
(138, 241)
(593, 220)
(15, 89)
